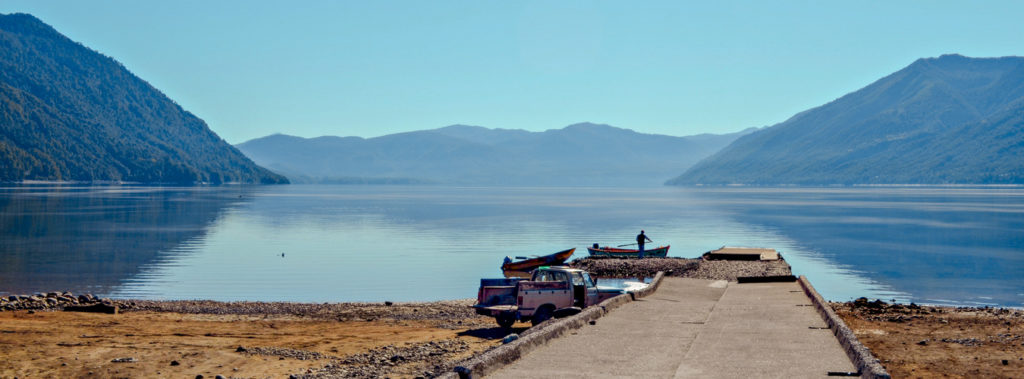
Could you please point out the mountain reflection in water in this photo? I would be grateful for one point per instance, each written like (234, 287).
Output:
(412, 243)
(90, 239)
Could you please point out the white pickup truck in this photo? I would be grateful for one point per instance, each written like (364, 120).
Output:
(550, 292)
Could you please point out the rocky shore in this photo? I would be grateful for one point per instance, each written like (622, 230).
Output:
(423, 339)
(917, 341)
(56, 301)
(447, 312)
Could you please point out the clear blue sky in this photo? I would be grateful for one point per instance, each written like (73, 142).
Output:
(369, 68)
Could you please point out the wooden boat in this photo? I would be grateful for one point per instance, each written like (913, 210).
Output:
(614, 252)
(528, 264)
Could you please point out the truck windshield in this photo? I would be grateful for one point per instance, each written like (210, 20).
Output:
(590, 281)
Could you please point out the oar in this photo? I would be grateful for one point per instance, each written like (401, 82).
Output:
(628, 244)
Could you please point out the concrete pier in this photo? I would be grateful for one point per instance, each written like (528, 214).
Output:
(692, 328)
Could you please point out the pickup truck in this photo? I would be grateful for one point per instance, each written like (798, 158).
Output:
(550, 291)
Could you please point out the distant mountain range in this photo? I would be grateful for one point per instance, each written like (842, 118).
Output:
(580, 154)
(68, 113)
(946, 120)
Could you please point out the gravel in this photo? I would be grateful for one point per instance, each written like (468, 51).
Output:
(424, 359)
(282, 352)
(450, 312)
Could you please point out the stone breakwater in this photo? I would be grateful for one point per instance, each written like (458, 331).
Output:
(698, 268)
(53, 301)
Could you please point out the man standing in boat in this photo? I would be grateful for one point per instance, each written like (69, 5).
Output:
(640, 239)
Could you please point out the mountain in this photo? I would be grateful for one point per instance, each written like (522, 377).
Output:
(946, 120)
(581, 154)
(72, 114)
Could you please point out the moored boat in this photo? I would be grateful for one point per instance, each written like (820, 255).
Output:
(614, 252)
(529, 264)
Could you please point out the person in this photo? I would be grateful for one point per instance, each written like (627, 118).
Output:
(640, 239)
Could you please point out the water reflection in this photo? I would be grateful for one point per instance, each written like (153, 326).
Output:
(959, 246)
(356, 243)
(90, 239)
(407, 243)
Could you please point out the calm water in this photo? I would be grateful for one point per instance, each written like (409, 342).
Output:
(401, 243)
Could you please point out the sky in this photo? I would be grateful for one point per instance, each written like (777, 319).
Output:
(370, 68)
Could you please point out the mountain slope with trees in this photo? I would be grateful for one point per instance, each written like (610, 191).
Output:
(581, 154)
(68, 113)
(946, 120)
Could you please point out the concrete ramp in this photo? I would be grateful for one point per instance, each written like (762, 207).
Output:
(694, 328)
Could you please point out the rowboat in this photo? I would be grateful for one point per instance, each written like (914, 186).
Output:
(528, 264)
(605, 251)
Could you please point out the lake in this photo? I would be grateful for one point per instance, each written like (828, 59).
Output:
(321, 243)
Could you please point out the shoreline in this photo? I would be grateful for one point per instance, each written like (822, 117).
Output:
(928, 341)
(423, 339)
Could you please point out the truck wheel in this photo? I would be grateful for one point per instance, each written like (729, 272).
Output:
(543, 314)
(505, 320)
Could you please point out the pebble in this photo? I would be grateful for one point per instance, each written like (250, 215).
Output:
(283, 353)
(376, 362)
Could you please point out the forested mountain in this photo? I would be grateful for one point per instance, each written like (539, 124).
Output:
(946, 120)
(581, 154)
(70, 113)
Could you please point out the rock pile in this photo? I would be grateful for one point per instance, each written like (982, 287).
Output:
(731, 270)
(53, 301)
(633, 268)
(879, 310)
(681, 267)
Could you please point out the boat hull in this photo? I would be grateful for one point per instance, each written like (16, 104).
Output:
(527, 265)
(657, 252)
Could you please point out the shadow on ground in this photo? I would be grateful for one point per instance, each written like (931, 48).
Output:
(492, 333)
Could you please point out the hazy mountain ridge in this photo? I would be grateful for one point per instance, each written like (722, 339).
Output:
(70, 113)
(919, 125)
(580, 154)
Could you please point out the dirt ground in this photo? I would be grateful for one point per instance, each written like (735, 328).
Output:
(939, 342)
(59, 344)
